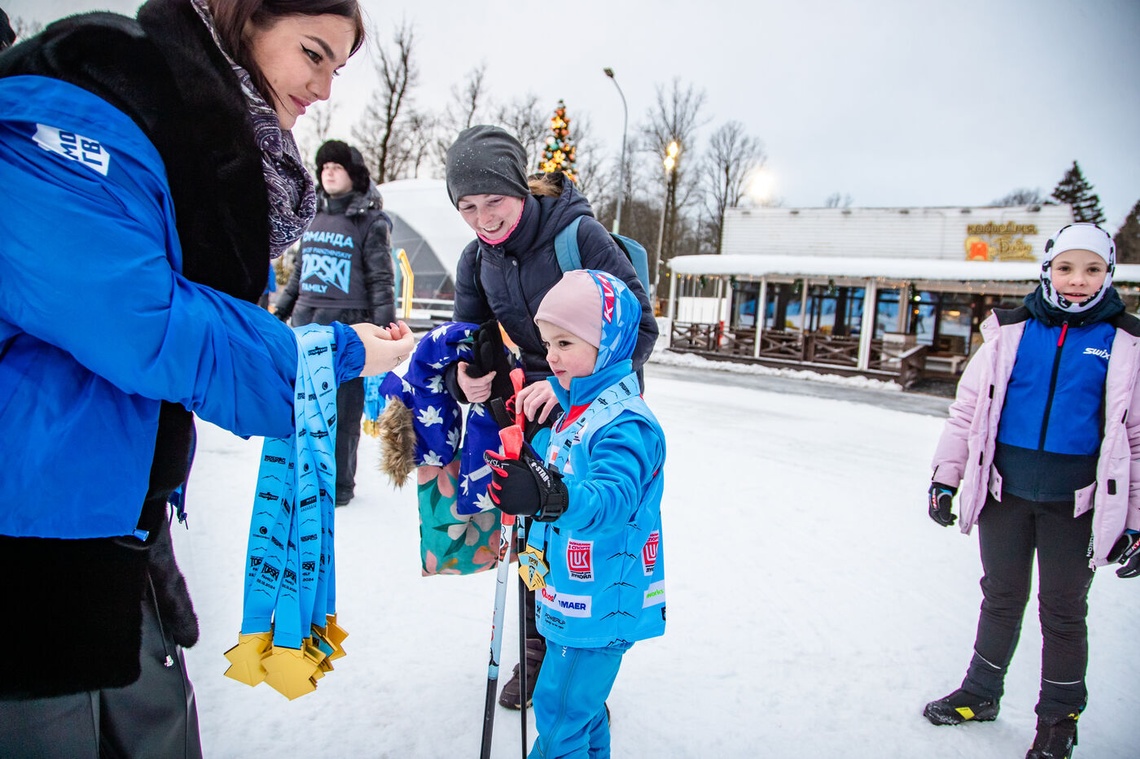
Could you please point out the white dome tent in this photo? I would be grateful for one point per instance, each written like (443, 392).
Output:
(431, 233)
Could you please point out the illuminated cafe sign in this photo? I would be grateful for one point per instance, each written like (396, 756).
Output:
(999, 241)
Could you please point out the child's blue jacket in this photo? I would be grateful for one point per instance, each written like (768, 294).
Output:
(606, 584)
(98, 326)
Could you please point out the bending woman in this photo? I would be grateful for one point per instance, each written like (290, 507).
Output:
(149, 177)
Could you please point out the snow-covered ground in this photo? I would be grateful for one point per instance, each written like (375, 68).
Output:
(813, 606)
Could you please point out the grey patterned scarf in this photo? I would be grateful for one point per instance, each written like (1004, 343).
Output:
(292, 194)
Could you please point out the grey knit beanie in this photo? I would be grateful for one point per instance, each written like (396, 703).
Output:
(486, 160)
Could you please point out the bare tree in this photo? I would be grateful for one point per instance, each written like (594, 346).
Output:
(836, 200)
(526, 120)
(675, 118)
(24, 28)
(594, 180)
(1022, 196)
(314, 131)
(375, 134)
(467, 99)
(417, 141)
(732, 157)
(461, 112)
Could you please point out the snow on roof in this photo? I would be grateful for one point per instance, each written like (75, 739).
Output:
(424, 205)
(884, 268)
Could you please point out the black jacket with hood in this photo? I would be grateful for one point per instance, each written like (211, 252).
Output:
(371, 265)
(507, 282)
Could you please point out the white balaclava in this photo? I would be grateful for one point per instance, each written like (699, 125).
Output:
(1079, 236)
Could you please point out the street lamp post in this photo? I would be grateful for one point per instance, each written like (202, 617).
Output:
(621, 166)
(670, 162)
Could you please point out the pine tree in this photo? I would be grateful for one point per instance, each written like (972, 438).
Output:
(1128, 238)
(559, 153)
(1075, 190)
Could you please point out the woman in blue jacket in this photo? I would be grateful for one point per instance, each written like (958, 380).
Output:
(504, 273)
(149, 177)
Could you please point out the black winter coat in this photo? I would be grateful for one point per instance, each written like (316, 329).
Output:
(514, 277)
(83, 597)
(374, 240)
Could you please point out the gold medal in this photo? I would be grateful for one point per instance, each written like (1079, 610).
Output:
(533, 568)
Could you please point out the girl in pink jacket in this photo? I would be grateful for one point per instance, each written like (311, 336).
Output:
(1043, 441)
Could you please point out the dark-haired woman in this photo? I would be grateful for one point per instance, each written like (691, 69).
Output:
(149, 177)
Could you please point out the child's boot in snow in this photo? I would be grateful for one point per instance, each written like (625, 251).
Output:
(961, 706)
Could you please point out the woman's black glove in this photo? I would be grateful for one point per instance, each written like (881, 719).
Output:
(525, 486)
(938, 504)
(490, 355)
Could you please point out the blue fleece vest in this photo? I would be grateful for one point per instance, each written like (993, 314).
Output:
(1053, 418)
(1055, 398)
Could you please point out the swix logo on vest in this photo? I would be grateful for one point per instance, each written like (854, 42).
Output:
(580, 560)
(649, 552)
(609, 298)
(74, 147)
(1097, 352)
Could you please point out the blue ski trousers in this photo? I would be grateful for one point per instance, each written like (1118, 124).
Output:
(570, 702)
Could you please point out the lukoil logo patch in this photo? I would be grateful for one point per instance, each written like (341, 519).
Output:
(74, 147)
(649, 553)
(580, 560)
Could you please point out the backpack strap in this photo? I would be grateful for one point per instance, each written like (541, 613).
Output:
(566, 247)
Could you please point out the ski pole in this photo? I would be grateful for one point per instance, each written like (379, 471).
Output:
(524, 676)
(512, 439)
(503, 419)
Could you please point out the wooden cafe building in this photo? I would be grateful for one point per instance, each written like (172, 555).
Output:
(889, 293)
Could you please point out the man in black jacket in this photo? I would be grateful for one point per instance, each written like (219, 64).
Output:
(344, 273)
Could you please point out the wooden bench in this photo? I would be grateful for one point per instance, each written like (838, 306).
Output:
(947, 363)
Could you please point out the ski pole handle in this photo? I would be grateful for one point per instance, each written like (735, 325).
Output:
(512, 438)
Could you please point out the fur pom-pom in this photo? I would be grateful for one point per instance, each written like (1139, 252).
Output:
(397, 442)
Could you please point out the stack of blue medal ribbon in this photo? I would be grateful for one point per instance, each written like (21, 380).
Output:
(289, 635)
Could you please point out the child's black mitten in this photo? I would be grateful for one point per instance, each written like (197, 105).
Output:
(939, 502)
(525, 486)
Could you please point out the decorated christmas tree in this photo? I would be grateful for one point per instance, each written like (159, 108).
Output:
(558, 155)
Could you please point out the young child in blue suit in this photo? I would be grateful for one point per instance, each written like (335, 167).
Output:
(594, 548)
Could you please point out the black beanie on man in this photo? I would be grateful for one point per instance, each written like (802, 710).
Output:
(335, 151)
(486, 160)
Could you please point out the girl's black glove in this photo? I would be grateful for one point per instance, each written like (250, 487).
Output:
(1126, 551)
(525, 486)
(938, 504)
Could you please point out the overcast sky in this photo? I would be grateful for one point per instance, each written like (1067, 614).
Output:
(893, 102)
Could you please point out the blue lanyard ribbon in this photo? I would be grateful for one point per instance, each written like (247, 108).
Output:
(289, 572)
